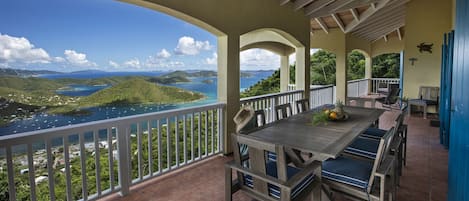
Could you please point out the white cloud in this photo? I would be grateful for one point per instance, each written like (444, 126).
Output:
(259, 59)
(163, 54)
(113, 64)
(20, 50)
(189, 46)
(78, 59)
(213, 60)
(133, 63)
(59, 59)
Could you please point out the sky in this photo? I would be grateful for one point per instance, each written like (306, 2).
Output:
(107, 35)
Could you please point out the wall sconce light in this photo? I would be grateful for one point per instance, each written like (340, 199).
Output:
(412, 60)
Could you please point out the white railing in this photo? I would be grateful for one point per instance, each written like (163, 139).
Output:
(269, 101)
(357, 88)
(383, 82)
(321, 95)
(91, 160)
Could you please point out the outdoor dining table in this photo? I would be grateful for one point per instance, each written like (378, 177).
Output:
(324, 141)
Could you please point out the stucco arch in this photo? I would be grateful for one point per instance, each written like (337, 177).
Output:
(275, 40)
(362, 52)
(281, 43)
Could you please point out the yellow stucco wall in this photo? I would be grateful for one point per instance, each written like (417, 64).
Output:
(426, 21)
(393, 45)
(332, 42)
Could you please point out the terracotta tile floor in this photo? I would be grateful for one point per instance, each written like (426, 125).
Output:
(424, 178)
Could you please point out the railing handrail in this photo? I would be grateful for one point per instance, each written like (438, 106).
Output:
(272, 95)
(58, 131)
(385, 79)
(358, 80)
(321, 87)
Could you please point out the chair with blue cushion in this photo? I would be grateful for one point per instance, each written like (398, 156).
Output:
(258, 120)
(358, 178)
(302, 105)
(283, 111)
(264, 179)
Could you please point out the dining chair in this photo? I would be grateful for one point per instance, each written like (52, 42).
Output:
(269, 180)
(258, 120)
(356, 178)
(283, 111)
(391, 99)
(367, 145)
(302, 105)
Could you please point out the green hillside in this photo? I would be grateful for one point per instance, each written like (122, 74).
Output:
(138, 90)
(169, 80)
(29, 84)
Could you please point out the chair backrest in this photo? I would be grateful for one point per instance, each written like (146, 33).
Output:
(400, 120)
(283, 111)
(383, 150)
(393, 96)
(257, 120)
(429, 93)
(260, 117)
(258, 159)
(302, 105)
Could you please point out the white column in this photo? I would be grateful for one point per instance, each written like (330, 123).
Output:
(228, 82)
(284, 73)
(368, 71)
(341, 75)
(302, 77)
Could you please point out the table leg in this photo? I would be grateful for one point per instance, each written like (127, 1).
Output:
(425, 111)
(318, 190)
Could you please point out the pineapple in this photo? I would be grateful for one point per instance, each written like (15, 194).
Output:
(339, 109)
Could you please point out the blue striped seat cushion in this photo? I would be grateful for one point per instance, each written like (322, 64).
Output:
(274, 191)
(363, 147)
(243, 151)
(348, 171)
(374, 133)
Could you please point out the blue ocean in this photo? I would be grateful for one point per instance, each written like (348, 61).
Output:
(44, 120)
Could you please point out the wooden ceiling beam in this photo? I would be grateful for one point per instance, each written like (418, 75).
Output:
(383, 15)
(385, 27)
(365, 15)
(379, 20)
(299, 4)
(356, 4)
(399, 35)
(385, 30)
(316, 5)
(355, 14)
(385, 34)
(330, 8)
(283, 2)
(338, 21)
(322, 24)
(385, 24)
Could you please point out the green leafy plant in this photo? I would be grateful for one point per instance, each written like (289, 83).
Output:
(321, 117)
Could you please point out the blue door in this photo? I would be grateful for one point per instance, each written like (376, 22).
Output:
(458, 174)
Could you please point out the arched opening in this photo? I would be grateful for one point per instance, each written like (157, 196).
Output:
(356, 61)
(323, 67)
(386, 65)
(282, 44)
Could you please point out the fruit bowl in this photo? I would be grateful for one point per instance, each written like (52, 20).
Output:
(333, 115)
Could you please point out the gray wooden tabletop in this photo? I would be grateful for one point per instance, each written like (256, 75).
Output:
(326, 141)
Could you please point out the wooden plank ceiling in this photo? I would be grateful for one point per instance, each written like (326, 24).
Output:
(371, 20)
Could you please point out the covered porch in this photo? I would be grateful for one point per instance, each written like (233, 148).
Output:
(424, 178)
(179, 155)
